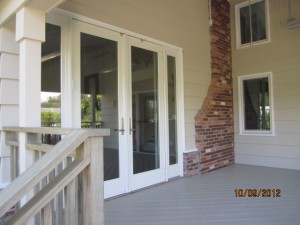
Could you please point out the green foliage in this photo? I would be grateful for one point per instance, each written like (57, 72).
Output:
(52, 102)
(53, 118)
(50, 119)
(86, 108)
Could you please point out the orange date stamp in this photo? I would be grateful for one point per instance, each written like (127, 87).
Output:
(256, 193)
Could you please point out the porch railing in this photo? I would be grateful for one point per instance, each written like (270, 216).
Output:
(64, 185)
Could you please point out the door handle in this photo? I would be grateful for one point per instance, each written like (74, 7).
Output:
(130, 127)
(122, 130)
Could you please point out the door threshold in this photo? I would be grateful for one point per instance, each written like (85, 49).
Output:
(142, 189)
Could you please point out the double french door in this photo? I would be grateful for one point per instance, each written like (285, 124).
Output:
(118, 83)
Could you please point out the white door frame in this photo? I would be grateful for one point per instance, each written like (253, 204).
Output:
(69, 86)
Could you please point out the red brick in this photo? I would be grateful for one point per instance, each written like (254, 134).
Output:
(214, 121)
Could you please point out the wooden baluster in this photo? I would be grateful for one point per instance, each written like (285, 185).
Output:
(80, 202)
(47, 215)
(76, 209)
(44, 214)
(59, 201)
(47, 211)
(14, 162)
(70, 200)
(52, 204)
(12, 141)
(37, 188)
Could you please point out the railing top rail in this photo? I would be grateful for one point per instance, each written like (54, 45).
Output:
(48, 130)
(54, 130)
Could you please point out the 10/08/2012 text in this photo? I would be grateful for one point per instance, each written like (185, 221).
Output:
(264, 193)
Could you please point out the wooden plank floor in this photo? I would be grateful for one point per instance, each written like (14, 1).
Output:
(209, 199)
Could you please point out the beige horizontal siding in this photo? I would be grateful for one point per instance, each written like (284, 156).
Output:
(266, 150)
(195, 90)
(287, 126)
(189, 129)
(197, 64)
(11, 87)
(289, 89)
(189, 115)
(197, 77)
(190, 139)
(9, 66)
(192, 102)
(287, 114)
(280, 139)
(281, 57)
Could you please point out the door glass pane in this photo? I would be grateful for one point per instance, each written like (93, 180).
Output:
(173, 159)
(144, 110)
(99, 95)
(50, 77)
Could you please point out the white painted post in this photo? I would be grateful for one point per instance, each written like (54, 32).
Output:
(30, 33)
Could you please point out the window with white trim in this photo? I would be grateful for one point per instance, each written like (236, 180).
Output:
(252, 23)
(255, 101)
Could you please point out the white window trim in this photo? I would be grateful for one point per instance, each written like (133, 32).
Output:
(237, 25)
(242, 130)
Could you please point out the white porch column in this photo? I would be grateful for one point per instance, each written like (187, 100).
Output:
(30, 33)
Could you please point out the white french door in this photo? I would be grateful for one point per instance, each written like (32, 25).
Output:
(126, 84)
(98, 96)
(146, 139)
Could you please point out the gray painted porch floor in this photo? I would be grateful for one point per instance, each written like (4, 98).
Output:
(209, 199)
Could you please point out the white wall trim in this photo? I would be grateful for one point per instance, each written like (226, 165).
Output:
(190, 150)
(242, 130)
(268, 161)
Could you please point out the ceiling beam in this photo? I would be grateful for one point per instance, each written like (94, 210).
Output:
(44, 5)
(8, 8)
